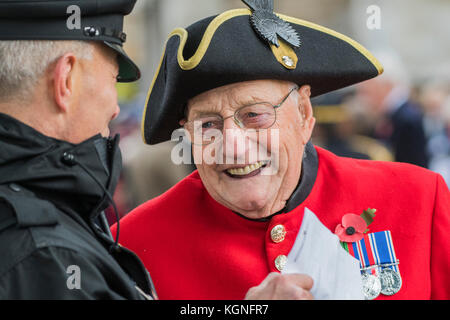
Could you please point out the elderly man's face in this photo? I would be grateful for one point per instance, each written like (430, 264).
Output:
(237, 181)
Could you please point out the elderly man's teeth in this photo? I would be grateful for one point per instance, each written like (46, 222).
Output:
(246, 170)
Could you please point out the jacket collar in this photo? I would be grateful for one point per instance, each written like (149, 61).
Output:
(39, 164)
(308, 177)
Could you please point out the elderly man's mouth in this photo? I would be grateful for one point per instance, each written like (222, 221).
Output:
(247, 171)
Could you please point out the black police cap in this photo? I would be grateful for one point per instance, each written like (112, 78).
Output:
(243, 45)
(48, 20)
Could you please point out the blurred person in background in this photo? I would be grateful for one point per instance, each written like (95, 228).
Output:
(434, 96)
(396, 120)
(336, 131)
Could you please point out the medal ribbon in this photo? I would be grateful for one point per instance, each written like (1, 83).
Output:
(374, 249)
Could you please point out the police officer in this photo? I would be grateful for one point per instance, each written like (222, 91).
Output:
(59, 63)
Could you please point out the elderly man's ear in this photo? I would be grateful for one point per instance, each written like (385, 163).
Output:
(64, 82)
(306, 113)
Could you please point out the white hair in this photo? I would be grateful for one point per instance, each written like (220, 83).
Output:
(23, 62)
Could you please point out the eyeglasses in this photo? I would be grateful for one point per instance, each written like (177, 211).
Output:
(261, 115)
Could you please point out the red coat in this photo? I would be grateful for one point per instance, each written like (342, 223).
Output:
(195, 248)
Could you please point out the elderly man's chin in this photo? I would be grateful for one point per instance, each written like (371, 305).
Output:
(249, 195)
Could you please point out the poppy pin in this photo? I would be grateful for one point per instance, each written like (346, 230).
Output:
(353, 226)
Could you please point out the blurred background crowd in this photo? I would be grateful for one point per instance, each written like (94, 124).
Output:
(403, 115)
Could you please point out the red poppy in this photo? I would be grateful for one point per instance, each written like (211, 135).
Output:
(352, 228)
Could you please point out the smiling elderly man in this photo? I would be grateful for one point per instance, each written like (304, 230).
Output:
(236, 221)
(269, 190)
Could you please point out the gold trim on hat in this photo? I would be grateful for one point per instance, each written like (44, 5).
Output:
(366, 53)
(193, 61)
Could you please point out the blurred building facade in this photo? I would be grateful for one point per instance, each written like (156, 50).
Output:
(417, 29)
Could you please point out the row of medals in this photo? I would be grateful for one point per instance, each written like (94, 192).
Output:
(385, 281)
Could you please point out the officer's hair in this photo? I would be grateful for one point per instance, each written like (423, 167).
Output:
(23, 62)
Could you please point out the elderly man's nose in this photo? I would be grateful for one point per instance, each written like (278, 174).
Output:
(233, 139)
(230, 123)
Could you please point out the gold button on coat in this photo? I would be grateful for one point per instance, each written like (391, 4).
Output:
(278, 233)
(280, 262)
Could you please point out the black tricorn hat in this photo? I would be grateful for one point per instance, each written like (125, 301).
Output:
(51, 20)
(241, 45)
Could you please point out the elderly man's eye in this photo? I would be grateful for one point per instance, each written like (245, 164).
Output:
(254, 116)
(208, 125)
(258, 116)
(250, 115)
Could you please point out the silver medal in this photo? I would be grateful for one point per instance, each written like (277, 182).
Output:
(371, 286)
(391, 282)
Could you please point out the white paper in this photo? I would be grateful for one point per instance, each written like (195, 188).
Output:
(318, 253)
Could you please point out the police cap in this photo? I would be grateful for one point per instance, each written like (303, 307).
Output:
(91, 20)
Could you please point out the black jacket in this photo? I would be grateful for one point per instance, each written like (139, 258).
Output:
(52, 242)
(408, 137)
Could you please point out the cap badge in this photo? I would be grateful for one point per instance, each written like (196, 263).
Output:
(91, 31)
(269, 26)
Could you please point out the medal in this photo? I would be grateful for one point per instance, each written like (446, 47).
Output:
(371, 286)
(391, 282)
(376, 254)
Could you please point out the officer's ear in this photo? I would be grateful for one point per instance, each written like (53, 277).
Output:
(63, 81)
(306, 112)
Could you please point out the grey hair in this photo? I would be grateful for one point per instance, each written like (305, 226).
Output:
(23, 62)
